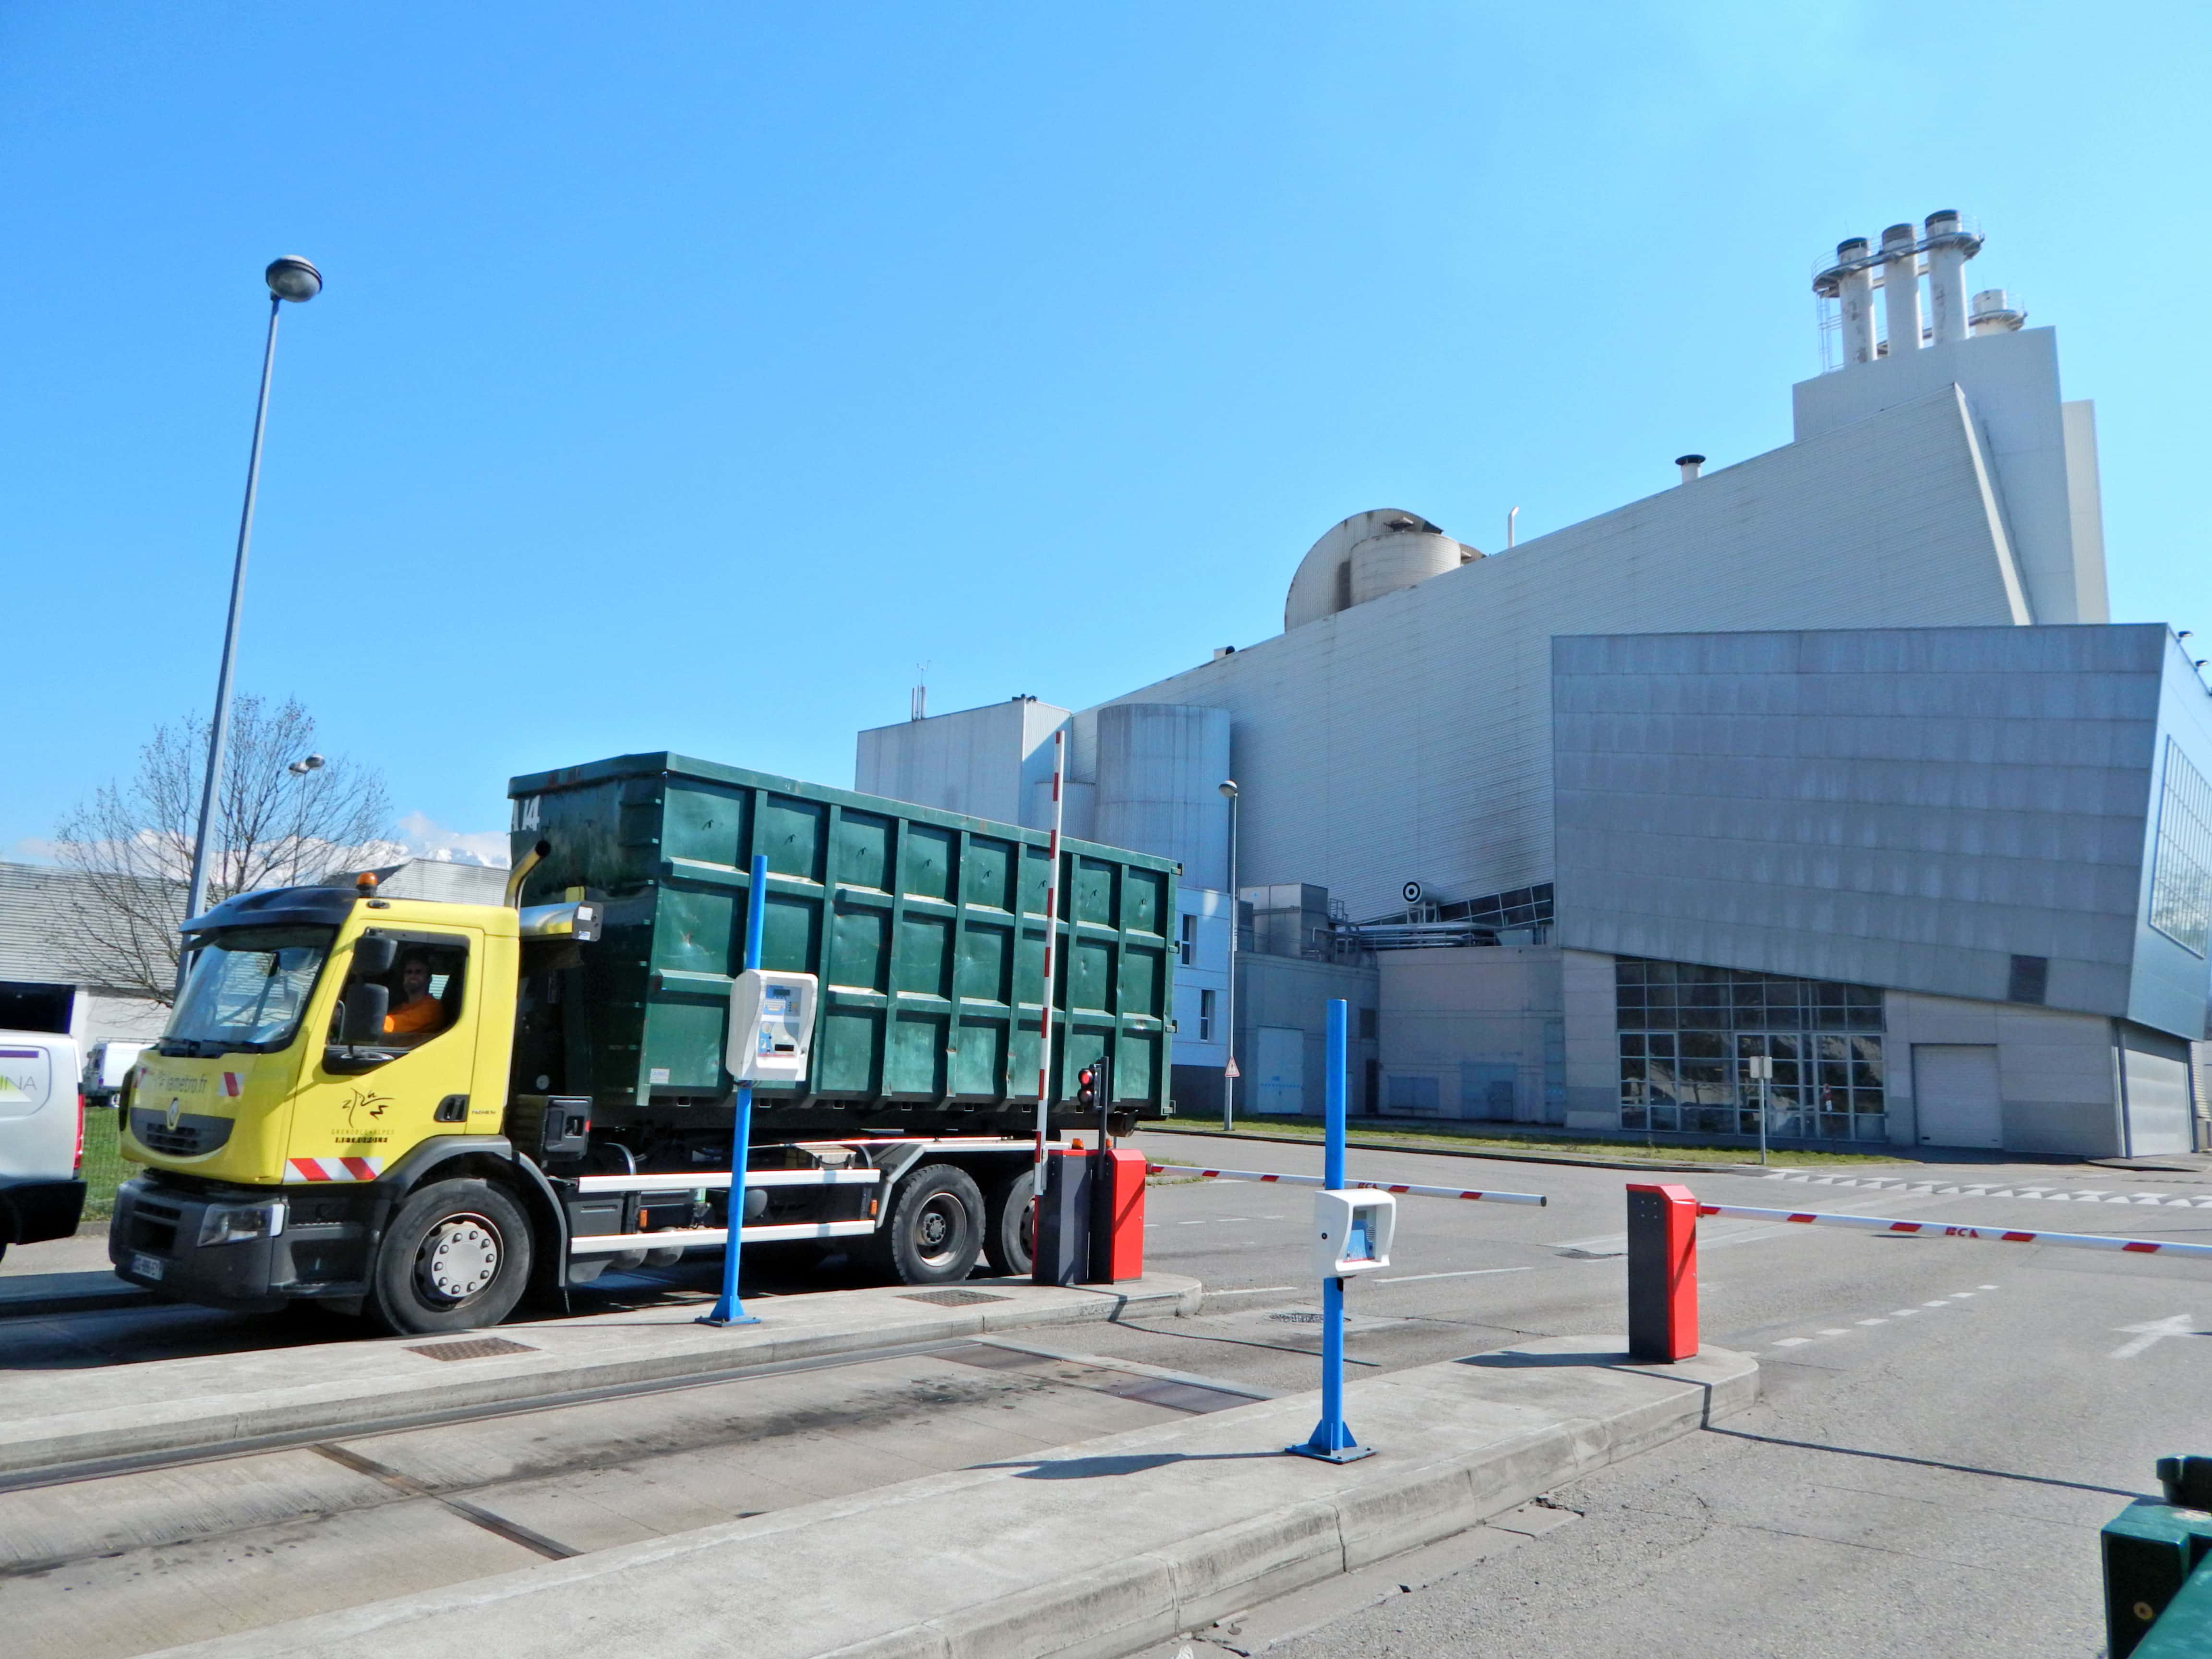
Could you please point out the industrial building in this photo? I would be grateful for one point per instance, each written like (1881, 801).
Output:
(1828, 759)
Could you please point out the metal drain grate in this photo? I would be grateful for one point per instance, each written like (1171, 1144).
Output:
(481, 1347)
(1297, 1318)
(954, 1299)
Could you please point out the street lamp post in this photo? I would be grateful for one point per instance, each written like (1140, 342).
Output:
(288, 278)
(302, 769)
(1235, 922)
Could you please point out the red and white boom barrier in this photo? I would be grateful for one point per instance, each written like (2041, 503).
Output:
(1376, 1186)
(1875, 1224)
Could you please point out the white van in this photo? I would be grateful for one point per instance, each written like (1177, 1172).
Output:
(108, 1069)
(41, 1138)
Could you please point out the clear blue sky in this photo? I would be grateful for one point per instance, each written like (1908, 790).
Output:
(688, 373)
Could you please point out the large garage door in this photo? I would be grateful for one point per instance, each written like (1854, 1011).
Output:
(1954, 1085)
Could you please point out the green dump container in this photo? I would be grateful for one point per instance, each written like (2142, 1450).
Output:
(926, 929)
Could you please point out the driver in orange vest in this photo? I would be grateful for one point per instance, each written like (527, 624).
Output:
(421, 1013)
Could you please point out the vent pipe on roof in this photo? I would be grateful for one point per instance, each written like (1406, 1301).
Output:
(1994, 313)
(1949, 245)
(1900, 287)
(1691, 465)
(1855, 294)
(1511, 515)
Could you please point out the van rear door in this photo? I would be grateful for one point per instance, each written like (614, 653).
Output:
(37, 1138)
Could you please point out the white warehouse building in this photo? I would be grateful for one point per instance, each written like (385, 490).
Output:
(1828, 758)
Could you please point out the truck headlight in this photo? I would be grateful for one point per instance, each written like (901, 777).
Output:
(234, 1224)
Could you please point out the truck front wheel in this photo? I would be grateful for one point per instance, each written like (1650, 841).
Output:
(936, 1227)
(457, 1256)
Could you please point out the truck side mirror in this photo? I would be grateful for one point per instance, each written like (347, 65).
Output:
(374, 955)
(366, 1006)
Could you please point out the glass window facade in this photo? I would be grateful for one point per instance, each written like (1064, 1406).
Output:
(1686, 1031)
(2181, 879)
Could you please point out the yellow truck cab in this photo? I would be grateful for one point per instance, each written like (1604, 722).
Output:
(323, 1117)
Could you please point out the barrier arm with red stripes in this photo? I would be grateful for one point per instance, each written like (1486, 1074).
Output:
(1471, 1195)
(1876, 1224)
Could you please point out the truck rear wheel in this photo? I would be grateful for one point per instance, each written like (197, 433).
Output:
(1010, 1226)
(936, 1227)
(457, 1256)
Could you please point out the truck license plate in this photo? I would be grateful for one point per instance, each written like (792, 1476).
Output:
(147, 1267)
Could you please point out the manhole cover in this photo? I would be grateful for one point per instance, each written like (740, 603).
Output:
(954, 1299)
(1298, 1317)
(481, 1347)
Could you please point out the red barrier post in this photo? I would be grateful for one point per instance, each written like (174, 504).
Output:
(1126, 1241)
(1662, 1273)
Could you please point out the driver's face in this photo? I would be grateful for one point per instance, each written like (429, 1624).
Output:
(417, 978)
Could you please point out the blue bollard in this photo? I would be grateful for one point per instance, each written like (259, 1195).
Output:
(728, 1309)
(1332, 1441)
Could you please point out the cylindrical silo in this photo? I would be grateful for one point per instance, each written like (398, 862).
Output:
(1160, 770)
(1400, 558)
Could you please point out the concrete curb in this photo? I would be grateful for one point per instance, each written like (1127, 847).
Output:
(79, 1423)
(1667, 1165)
(1006, 1569)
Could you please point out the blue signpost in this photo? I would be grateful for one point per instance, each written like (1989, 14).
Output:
(729, 1310)
(1332, 1441)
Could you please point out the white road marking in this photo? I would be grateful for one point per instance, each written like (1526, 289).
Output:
(1903, 1313)
(1793, 1341)
(1985, 1287)
(1873, 1322)
(1261, 1290)
(1935, 1305)
(2154, 1331)
(1839, 1331)
(1464, 1272)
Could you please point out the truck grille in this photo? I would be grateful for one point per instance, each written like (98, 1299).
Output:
(195, 1132)
(153, 1226)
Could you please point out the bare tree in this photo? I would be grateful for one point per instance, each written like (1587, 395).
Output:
(274, 827)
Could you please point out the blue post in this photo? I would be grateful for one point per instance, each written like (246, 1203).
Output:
(1332, 1441)
(729, 1310)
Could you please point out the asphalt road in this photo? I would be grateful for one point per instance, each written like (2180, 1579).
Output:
(1947, 1423)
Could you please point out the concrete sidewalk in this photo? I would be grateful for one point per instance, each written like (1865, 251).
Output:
(104, 1416)
(1091, 1551)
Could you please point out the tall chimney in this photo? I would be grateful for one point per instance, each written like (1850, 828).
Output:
(1900, 287)
(1854, 294)
(1690, 465)
(1949, 247)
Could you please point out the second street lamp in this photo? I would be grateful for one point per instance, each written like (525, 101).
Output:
(1236, 923)
(296, 280)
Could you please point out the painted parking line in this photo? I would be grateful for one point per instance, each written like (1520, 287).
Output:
(1951, 1300)
(1464, 1273)
(2151, 1332)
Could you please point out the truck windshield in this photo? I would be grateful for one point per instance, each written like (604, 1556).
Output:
(248, 990)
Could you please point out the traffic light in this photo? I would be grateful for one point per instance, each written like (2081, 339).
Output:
(1086, 1088)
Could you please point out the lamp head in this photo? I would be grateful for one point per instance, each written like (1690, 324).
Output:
(293, 278)
(1229, 789)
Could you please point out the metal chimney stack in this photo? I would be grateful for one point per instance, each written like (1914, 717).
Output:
(1949, 247)
(1900, 287)
(1855, 294)
(1691, 465)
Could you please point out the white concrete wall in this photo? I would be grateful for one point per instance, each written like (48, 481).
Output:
(1586, 995)
(1410, 737)
(1445, 1008)
(2011, 385)
(995, 762)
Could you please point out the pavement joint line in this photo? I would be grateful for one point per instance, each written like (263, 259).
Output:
(513, 1531)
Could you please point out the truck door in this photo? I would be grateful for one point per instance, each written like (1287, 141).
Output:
(361, 1109)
